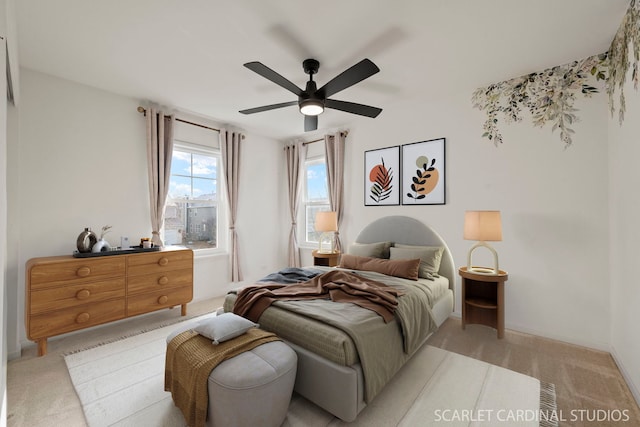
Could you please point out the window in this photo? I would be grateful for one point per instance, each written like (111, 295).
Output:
(192, 210)
(316, 195)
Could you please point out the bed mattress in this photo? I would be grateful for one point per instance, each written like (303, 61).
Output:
(325, 340)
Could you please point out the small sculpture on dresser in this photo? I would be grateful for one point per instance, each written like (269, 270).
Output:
(102, 245)
(86, 240)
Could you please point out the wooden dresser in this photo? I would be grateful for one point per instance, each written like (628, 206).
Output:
(64, 293)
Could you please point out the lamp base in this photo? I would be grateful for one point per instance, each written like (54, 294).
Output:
(483, 270)
(325, 251)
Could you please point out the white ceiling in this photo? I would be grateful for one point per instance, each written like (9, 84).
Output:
(188, 54)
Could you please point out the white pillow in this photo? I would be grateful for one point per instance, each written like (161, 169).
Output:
(224, 327)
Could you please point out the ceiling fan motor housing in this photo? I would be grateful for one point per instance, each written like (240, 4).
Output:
(310, 101)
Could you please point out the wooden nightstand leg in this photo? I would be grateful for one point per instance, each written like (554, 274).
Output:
(500, 310)
(463, 287)
(183, 310)
(42, 346)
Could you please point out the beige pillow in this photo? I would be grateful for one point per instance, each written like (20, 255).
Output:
(371, 250)
(430, 257)
(405, 268)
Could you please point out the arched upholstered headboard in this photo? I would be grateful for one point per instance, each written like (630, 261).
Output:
(409, 231)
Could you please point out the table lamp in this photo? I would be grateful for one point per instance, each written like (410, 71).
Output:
(326, 222)
(483, 226)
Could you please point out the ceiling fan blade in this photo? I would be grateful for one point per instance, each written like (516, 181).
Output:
(268, 107)
(310, 123)
(269, 74)
(349, 77)
(352, 107)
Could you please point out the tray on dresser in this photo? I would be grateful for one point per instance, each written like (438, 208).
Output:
(131, 250)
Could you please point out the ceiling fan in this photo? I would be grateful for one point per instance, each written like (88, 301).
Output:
(312, 101)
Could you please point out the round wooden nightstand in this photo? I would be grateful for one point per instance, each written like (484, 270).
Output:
(483, 299)
(325, 259)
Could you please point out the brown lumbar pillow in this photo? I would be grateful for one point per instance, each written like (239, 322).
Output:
(405, 268)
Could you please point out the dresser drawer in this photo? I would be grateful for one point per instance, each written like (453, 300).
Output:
(152, 301)
(71, 319)
(72, 271)
(73, 295)
(153, 262)
(160, 280)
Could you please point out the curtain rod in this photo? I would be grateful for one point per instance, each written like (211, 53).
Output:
(143, 111)
(346, 132)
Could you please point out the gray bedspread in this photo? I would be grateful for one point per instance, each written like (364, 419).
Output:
(383, 348)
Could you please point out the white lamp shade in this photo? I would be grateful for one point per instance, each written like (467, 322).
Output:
(484, 226)
(326, 221)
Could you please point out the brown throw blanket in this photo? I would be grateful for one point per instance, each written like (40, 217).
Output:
(189, 361)
(339, 286)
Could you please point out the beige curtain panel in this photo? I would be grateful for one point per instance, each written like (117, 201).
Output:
(230, 146)
(295, 155)
(334, 151)
(159, 152)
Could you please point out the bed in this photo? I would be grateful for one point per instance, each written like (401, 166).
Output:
(334, 371)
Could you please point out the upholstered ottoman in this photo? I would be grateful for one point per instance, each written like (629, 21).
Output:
(253, 388)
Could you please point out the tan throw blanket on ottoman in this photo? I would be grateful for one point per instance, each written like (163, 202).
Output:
(189, 361)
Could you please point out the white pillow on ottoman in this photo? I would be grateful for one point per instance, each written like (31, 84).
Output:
(224, 327)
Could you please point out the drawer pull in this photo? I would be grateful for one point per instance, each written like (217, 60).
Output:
(163, 280)
(83, 271)
(83, 294)
(83, 317)
(163, 299)
(163, 261)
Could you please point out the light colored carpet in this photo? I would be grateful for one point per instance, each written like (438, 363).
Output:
(121, 384)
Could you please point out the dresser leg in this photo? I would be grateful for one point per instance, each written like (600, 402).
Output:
(42, 346)
(183, 310)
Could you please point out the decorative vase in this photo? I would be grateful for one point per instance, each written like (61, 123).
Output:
(101, 246)
(86, 240)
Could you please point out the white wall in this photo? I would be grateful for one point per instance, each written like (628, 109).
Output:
(83, 163)
(3, 233)
(553, 201)
(624, 150)
(8, 62)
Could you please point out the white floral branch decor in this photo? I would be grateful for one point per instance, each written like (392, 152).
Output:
(628, 32)
(549, 95)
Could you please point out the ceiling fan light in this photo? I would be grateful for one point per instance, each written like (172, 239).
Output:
(311, 107)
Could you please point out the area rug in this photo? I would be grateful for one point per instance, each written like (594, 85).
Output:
(122, 384)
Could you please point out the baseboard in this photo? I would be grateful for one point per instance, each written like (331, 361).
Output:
(625, 374)
(569, 340)
(3, 411)
(16, 354)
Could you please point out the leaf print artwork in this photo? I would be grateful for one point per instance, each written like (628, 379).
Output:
(424, 185)
(425, 180)
(381, 166)
(382, 179)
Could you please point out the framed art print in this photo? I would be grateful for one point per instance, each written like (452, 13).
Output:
(423, 172)
(381, 177)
